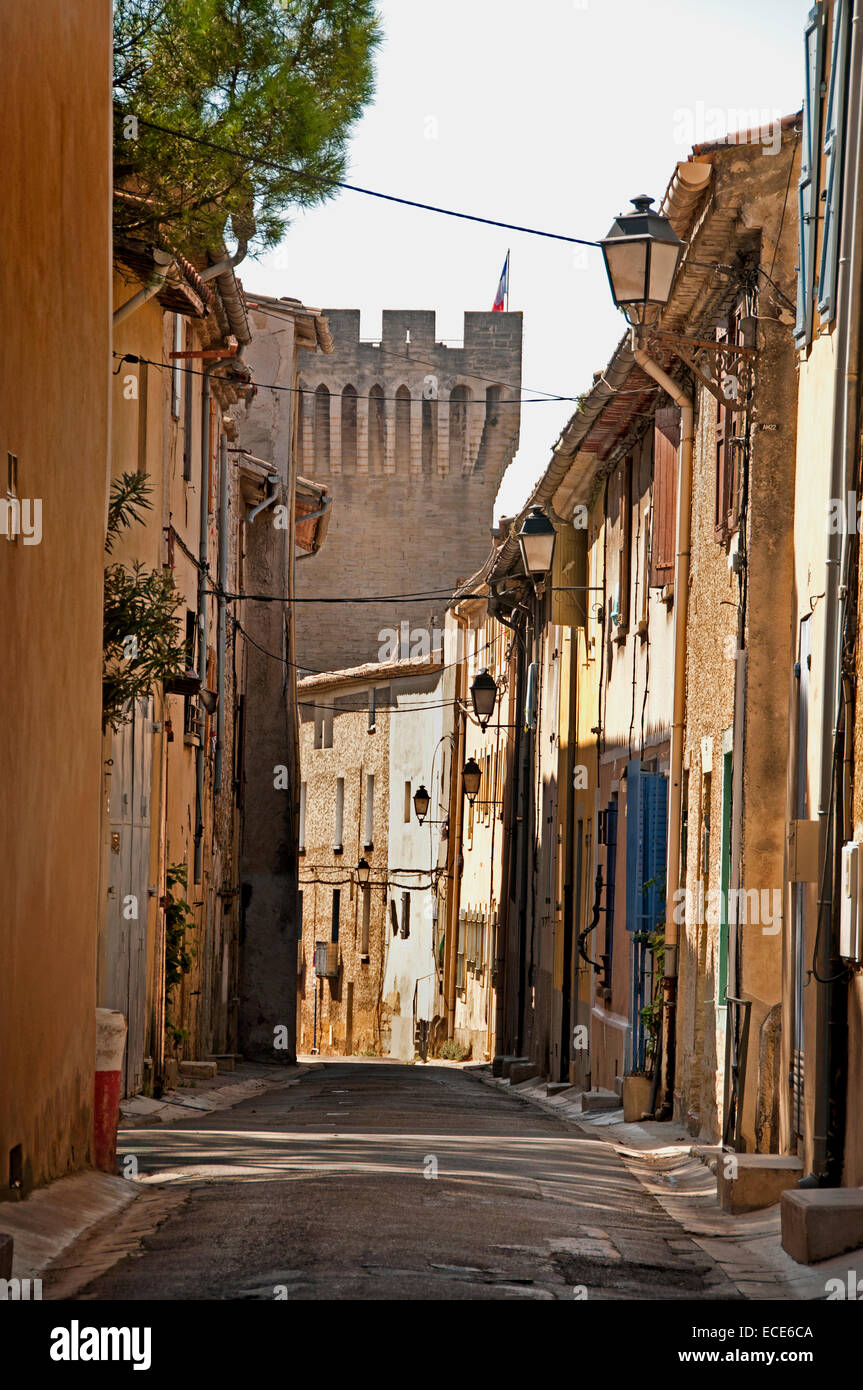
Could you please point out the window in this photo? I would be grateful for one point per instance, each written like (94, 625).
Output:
(406, 915)
(368, 832)
(191, 714)
(349, 429)
(726, 452)
(322, 427)
(340, 815)
(323, 727)
(377, 430)
(666, 443)
(177, 369)
(429, 436)
(459, 968)
(302, 832)
(403, 429)
(458, 427)
(366, 922)
(337, 902)
(408, 803)
(188, 421)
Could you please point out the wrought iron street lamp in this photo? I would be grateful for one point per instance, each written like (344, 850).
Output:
(422, 801)
(483, 692)
(471, 777)
(536, 541)
(363, 872)
(641, 253)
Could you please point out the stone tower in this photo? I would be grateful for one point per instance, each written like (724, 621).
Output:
(412, 438)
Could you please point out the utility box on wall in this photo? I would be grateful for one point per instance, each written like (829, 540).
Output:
(804, 851)
(849, 902)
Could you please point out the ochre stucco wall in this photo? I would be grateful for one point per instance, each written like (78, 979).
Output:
(55, 287)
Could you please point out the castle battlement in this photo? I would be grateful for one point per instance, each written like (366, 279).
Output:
(412, 438)
(410, 406)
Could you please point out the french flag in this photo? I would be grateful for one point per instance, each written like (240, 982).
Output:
(503, 286)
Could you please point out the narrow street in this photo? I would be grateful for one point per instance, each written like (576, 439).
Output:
(370, 1180)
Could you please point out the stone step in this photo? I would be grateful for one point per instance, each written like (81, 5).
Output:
(818, 1222)
(522, 1071)
(507, 1063)
(600, 1100)
(748, 1182)
(199, 1071)
(225, 1061)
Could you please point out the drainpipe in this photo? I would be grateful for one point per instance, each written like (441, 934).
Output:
(681, 596)
(831, 1037)
(222, 602)
(271, 497)
(162, 269)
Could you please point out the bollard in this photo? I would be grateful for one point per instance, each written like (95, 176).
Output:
(110, 1042)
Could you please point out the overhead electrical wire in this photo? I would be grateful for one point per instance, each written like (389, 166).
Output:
(136, 360)
(264, 162)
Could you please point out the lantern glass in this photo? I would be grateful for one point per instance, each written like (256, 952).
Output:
(364, 870)
(536, 539)
(484, 695)
(422, 801)
(471, 778)
(626, 262)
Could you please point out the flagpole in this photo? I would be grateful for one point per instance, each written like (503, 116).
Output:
(508, 269)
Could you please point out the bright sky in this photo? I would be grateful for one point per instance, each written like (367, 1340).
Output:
(551, 115)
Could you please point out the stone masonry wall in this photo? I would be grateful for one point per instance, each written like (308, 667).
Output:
(412, 438)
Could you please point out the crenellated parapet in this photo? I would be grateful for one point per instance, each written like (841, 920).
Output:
(409, 406)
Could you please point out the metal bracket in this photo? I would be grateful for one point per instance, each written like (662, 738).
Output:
(725, 369)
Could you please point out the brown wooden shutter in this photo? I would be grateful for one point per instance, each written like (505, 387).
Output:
(726, 488)
(666, 443)
(625, 541)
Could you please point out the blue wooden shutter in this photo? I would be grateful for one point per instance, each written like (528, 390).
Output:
(833, 142)
(646, 826)
(807, 188)
(654, 793)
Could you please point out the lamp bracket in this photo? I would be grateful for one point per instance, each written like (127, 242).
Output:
(725, 369)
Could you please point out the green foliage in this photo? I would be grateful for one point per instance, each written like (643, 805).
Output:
(141, 637)
(280, 80)
(178, 920)
(453, 1051)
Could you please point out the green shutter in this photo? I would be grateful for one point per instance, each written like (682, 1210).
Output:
(724, 877)
(807, 188)
(833, 150)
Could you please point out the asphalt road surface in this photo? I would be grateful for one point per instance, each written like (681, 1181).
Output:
(369, 1180)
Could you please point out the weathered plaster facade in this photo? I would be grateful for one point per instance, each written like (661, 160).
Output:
(369, 1004)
